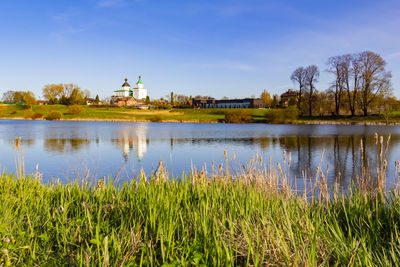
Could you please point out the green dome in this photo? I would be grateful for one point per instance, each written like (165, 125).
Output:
(140, 80)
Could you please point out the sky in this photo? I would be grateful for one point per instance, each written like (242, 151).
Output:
(218, 48)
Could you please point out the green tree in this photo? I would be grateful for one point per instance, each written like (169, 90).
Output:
(14, 96)
(97, 99)
(172, 99)
(52, 92)
(275, 101)
(29, 98)
(147, 100)
(266, 97)
(77, 97)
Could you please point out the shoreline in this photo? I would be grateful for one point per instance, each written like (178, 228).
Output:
(300, 122)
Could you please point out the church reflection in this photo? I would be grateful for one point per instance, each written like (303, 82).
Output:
(132, 138)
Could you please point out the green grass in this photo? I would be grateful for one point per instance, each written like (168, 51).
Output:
(115, 113)
(211, 222)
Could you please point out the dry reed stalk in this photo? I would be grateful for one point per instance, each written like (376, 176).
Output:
(18, 157)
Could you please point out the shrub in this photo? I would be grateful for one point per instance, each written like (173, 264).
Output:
(282, 115)
(291, 113)
(238, 116)
(36, 116)
(75, 109)
(28, 114)
(156, 118)
(3, 110)
(53, 115)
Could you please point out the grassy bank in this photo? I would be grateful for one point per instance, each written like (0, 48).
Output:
(117, 114)
(92, 113)
(252, 220)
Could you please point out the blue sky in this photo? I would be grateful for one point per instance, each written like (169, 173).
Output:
(218, 48)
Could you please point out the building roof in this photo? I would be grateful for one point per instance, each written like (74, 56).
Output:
(140, 80)
(290, 93)
(122, 90)
(126, 83)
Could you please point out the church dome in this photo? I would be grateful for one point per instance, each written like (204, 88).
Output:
(140, 80)
(126, 83)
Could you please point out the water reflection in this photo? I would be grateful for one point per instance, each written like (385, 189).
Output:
(341, 155)
(132, 138)
(65, 145)
(104, 147)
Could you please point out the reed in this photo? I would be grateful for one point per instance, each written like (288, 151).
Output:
(253, 217)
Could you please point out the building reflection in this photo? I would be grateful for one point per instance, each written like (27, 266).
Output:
(132, 138)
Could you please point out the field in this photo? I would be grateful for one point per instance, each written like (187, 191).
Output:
(127, 114)
(180, 115)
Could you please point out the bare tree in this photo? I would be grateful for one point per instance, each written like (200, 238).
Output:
(68, 88)
(339, 66)
(299, 76)
(86, 93)
(374, 78)
(352, 88)
(13, 96)
(312, 75)
(8, 96)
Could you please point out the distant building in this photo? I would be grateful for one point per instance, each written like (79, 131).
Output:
(42, 102)
(228, 103)
(139, 92)
(90, 101)
(125, 91)
(130, 97)
(287, 97)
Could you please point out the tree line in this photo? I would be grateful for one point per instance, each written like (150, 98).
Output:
(26, 97)
(361, 85)
(62, 93)
(65, 94)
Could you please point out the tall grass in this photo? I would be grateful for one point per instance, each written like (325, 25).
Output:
(252, 218)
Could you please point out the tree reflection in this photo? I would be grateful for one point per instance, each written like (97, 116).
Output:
(28, 142)
(345, 156)
(63, 145)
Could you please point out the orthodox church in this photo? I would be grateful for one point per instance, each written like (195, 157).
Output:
(127, 96)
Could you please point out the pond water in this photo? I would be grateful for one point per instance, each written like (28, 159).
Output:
(68, 150)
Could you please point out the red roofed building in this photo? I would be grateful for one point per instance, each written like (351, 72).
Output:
(287, 97)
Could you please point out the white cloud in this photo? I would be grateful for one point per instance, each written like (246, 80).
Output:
(228, 65)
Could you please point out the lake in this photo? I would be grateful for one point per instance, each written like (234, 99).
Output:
(70, 150)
